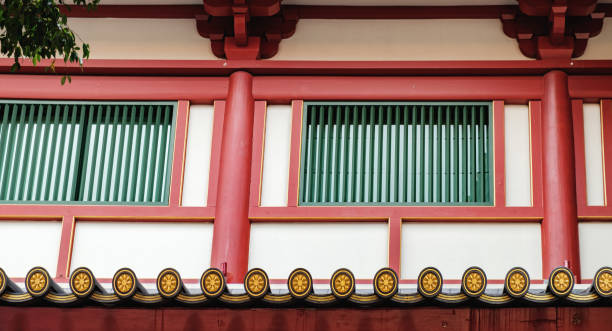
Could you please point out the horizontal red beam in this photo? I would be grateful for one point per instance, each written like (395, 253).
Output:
(48, 87)
(313, 12)
(270, 67)
(369, 213)
(587, 87)
(513, 88)
(101, 213)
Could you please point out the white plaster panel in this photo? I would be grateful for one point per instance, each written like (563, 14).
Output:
(594, 247)
(277, 147)
(593, 157)
(28, 244)
(145, 247)
(156, 39)
(518, 155)
(197, 155)
(453, 247)
(600, 47)
(418, 39)
(321, 248)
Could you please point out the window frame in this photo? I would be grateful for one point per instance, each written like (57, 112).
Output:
(490, 154)
(79, 171)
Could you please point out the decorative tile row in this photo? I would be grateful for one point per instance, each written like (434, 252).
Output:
(85, 289)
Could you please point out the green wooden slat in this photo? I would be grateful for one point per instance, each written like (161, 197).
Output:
(395, 153)
(83, 152)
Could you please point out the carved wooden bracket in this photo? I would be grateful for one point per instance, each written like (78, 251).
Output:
(248, 32)
(558, 29)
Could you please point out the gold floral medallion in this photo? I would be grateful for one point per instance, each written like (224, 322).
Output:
(602, 282)
(474, 281)
(37, 281)
(561, 281)
(256, 283)
(124, 283)
(212, 283)
(385, 283)
(169, 283)
(517, 282)
(429, 282)
(342, 283)
(81, 282)
(299, 283)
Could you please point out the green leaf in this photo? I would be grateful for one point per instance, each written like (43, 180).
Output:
(63, 80)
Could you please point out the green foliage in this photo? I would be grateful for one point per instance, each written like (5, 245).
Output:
(37, 29)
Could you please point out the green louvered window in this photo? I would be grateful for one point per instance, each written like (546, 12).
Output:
(89, 152)
(405, 153)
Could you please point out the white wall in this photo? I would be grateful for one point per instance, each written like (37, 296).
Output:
(418, 39)
(139, 38)
(321, 248)
(28, 244)
(197, 155)
(453, 247)
(600, 47)
(146, 247)
(518, 155)
(594, 247)
(277, 147)
(593, 154)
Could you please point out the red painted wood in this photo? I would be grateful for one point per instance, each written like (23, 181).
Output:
(515, 319)
(106, 212)
(559, 226)
(271, 67)
(135, 11)
(591, 88)
(395, 245)
(408, 213)
(259, 133)
(294, 158)
(48, 87)
(230, 245)
(584, 319)
(65, 249)
(535, 109)
(215, 152)
(178, 160)
(499, 153)
(284, 89)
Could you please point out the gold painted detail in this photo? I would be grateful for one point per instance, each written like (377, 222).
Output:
(561, 281)
(386, 283)
(429, 282)
(604, 281)
(81, 282)
(256, 283)
(212, 282)
(169, 282)
(1, 281)
(474, 281)
(517, 282)
(124, 283)
(37, 281)
(342, 284)
(300, 283)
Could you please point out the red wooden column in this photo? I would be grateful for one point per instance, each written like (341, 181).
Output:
(560, 224)
(230, 248)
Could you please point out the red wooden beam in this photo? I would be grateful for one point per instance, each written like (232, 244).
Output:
(230, 247)
(560, 225)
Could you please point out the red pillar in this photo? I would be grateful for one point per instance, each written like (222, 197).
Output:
(560, 224)
(230, 247)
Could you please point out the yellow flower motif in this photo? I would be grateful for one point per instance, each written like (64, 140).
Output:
(124, 283)
(256, 283)
(604, 281)
(561, 281)
(169, 283)
(429, 282)
(386, 283)
(212, 282)
(342, 283)
(299, 283)
(473, 281)
(517, 282)
(38, 281)
(81, 282)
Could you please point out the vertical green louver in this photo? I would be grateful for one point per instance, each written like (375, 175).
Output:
(396, 153)
(85, 152)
